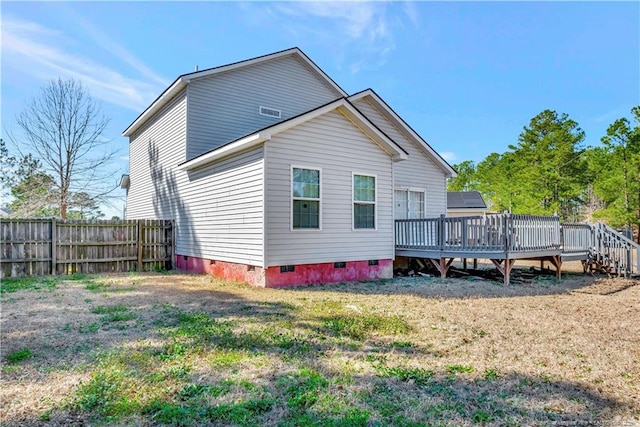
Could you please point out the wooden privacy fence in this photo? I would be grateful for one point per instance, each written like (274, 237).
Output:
(32, 247)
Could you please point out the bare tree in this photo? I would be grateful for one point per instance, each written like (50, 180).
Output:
(62, 127)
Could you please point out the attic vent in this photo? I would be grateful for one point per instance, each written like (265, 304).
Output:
(271, 112)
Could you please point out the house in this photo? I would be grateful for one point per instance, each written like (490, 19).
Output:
(465, 203)
(274, 175)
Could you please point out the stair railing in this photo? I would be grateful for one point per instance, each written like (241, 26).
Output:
(614, 250)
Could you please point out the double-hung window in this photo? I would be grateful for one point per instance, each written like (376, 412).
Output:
(305, 194)
(364, 201)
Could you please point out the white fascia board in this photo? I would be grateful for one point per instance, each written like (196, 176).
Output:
(156, 106)
(289, 52)
(239, 64)
(355, 116)
(257, 138)
(226, 150)
(380, 138)
(182, 82)
(421, 143)
(288, 124)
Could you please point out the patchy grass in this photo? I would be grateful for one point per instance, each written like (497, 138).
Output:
(113, 313)
(18, 356)
(202, 351)
(363, 326)
(27, 283)
(418, 376)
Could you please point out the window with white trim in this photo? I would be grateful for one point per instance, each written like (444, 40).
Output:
(305, 194)
(409, 204)
(364, 201)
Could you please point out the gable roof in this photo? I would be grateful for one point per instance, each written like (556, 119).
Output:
(407, 130)
(465, 200)
(182, 81)
(258, 137)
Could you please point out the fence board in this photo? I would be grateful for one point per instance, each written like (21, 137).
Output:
(30, 247)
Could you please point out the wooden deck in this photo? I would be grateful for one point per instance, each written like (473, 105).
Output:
(504, 238)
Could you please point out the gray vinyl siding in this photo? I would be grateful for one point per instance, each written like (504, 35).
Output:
(336, 146)
(225, 106)
(225, 206)
(418, 171)
(217, 209)
(154, 151)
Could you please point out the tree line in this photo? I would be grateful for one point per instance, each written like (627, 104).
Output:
(550, 171)
(57, 165)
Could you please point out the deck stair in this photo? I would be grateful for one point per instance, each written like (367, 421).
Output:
(613, 253)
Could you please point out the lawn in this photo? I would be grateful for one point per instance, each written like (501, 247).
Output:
(176, 349)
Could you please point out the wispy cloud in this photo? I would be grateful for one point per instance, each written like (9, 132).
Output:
(44, 53)
(361, 34)
(410, 10)
(119, 52)
(449, 156)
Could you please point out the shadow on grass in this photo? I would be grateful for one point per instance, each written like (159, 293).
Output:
(186, 363)
(319, 397)
(102, 314)
(457, 288)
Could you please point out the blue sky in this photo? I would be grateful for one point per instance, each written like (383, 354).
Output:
(467, 76)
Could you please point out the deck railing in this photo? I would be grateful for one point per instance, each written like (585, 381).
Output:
(577, 238)
(616, 250)
(489, 233)
(510, 233)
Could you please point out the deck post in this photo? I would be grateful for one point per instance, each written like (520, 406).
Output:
(441, 232)
(463, 232)
(504, 269)
(442, 265)
(557, 263)
(507, 234)
(508, 263)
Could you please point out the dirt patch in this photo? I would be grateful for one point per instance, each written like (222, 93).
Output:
(425, 350)
(608, 286)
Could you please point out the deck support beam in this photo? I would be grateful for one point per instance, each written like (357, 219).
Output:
(556, 260)
(585, 266)
(504, 268)
(465, 263)
(442, 265)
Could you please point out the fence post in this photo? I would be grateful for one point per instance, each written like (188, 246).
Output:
(173, 244)
(140, 243)
(54, 247)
